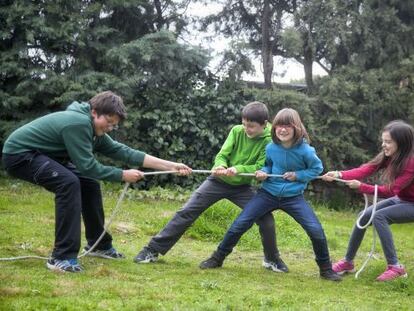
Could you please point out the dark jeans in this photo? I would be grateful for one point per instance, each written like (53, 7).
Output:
(388, 212)
(74, 195)
(211, 191)
(263, 203)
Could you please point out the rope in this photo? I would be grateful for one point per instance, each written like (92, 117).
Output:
(114, 212)
(118, 205)
(106, 227)
(374, 235)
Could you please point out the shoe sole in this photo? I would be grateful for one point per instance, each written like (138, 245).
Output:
(54, 268)
(271, 267)
(400, 276)
(103, 256)
(93, 254)
(149, 260)
(345, 272)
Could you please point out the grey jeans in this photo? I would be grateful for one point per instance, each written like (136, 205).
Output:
(389, 211)
(209, 192)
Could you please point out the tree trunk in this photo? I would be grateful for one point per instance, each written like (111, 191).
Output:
(267, 56)
(308, 67)
(308, 59)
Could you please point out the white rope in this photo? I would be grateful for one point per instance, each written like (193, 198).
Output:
(114, 212)
(118, 205)
(106, 227)
(358, 224)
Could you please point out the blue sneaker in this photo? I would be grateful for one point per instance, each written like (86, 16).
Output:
(64, 265)
(110, 253)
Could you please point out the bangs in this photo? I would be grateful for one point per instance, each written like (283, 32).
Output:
(284, 119)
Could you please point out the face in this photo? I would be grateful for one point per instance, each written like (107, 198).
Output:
(389, 146)
(104, 123)
(285, 133)
(253, 129)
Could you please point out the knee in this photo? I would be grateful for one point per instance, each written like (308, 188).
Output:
(239, 227)
(266, 222)
(71, 183)
(364, 218)
(315, 231)
(379, 219)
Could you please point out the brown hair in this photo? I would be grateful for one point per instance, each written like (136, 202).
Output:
(255, 112)
(108, 103)
(403, 135)
(289, 116)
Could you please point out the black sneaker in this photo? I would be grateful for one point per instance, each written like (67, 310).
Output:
(146, 255)
(277, 266)
(215, 261)
(110, 253)
(64, 265)
(329, 274)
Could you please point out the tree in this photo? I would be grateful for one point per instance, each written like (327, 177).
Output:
(258, 23)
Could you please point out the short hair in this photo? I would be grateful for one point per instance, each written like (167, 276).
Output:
(289, 116)
(108, 103)
(255, 112)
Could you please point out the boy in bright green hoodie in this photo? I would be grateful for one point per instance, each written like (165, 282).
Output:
(56, 152)
(242, 152)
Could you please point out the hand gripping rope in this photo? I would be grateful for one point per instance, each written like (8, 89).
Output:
(125, 189)
(116, 209)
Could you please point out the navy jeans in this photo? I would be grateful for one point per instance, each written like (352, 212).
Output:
(211, 191)
(74, 195)
(262, 203)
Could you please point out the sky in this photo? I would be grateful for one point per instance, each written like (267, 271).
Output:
(284, 70)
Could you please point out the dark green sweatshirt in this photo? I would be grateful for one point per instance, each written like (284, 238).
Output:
(246, 154)
(70, 134)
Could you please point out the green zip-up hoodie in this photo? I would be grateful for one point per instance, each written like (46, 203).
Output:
(70, 134)
(246, 154)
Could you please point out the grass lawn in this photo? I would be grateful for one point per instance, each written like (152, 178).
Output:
(176, 282)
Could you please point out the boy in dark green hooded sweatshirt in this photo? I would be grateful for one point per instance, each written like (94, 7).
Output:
(56, 152)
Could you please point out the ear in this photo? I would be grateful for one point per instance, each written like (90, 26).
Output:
(94, 114)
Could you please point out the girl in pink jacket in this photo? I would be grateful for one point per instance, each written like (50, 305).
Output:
(396, 164)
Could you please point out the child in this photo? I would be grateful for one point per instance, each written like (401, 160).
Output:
(242, 152)
(396, 162)
(56, 152)
(289, 155)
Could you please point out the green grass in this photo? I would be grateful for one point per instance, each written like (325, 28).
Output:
(176, 282)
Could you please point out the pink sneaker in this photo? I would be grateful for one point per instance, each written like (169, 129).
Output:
(343, 266)
(391, 273)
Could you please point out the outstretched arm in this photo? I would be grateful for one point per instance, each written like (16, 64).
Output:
(164, 165)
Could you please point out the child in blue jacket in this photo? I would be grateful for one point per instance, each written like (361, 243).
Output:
(291, 156)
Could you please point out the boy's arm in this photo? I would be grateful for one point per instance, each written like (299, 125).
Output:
(118, 151)
(106, 146)
(222, 158)
(164, 165)
(78, 142)
(260, 163)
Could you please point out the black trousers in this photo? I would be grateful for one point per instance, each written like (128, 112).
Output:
(74, 195)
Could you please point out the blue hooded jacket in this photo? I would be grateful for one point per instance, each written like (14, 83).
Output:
(300, 158)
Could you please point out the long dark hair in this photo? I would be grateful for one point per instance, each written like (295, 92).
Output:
(403, 135)
(289, 116)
